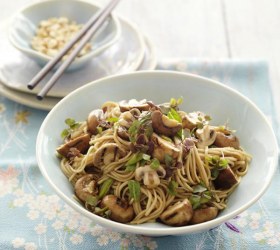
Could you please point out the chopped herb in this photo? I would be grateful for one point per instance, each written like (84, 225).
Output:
(198, 200)
(72, 124)
(199, 189)
(174, 103)
(217, 165)
(134, 190)
(105, 187)
(168, 160)
(92, 200)
(199, 125)
(202, 195)
(195, 201)
(214, 173)
(146, 157)
(217, 162)
(149, 131)
(133, 130)
(207, 118)
(155, 164)
(223, 163)
(134, 159)
(64, 133)
(172, 186)
(130, 168)
(173, 114)
(113, 119)
(99, 130)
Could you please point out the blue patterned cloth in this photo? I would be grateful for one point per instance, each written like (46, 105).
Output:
(33, 216)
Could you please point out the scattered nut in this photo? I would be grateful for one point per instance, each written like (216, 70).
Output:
(54, 33)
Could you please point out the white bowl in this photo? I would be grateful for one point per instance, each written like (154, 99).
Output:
(213, 98)
(23, 25)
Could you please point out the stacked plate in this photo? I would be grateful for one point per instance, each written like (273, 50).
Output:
(130, 52)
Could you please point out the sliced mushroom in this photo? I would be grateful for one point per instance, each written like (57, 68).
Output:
(226, 140)
(151, 177)
(128, 117)
(226, 179)
(204, 214)
(106, 154)
(191, 120)
(123, 133)
(163, 125)
(178, 214)
(81, 143)
(131, 104)
(93, 120)
(107, 107)
(206, 136)
(85, 187)
(121, 211)
(163, 147)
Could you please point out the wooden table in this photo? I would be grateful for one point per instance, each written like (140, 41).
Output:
(212, 29)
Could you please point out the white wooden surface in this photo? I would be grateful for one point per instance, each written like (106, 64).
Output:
(214, 29)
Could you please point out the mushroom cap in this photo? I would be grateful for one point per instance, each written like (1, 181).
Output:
(151, 177)
(162, 147)
(81, 143)
(133, 103)
(121, 211)
(226, 179)
(93, 120)
(163, 125)
(190, 120)
(85, 187)
(178, 214)
(206, 136)
(204, 214)
(226, 140)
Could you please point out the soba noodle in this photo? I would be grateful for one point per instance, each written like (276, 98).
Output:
(158, 162)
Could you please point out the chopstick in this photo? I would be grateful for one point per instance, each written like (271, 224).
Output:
(85, 34)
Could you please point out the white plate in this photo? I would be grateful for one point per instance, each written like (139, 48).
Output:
(148, 63)
(124, 56)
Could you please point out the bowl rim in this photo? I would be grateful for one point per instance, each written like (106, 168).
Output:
(46, 58)
(165, 230)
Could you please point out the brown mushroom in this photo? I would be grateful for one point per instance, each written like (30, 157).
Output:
(163, 147)
(190, 120)
(85, 187)
(226, 179)
(128, 117)
(123, 133)
(204, 214)
(151, 177)
(93, 120)
(206, 136)
(120, 210)
(163, 125)
(178, 214)
(81, 143)
(131, 104)
(226, 140)
(106, 154)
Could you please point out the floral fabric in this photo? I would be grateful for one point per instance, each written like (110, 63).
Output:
(32, 216)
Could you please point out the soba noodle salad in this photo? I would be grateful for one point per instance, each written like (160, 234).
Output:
(136, 161)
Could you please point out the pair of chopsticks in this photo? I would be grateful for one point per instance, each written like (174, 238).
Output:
(83, 36)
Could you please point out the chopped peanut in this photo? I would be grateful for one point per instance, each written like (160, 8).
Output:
(54, 33)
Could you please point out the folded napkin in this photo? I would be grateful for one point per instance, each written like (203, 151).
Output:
(33, 217)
